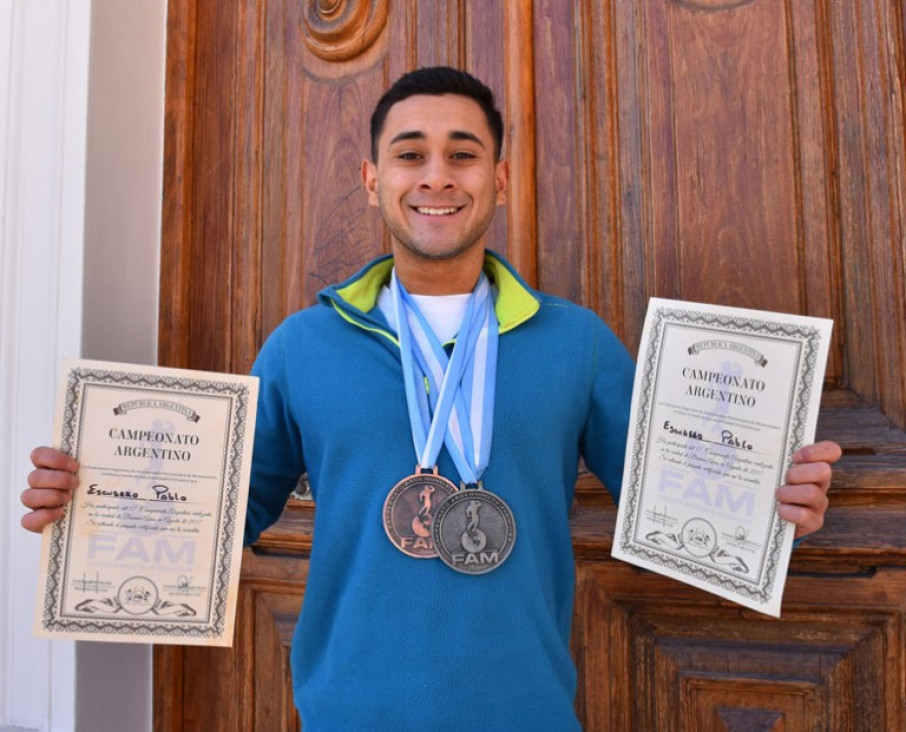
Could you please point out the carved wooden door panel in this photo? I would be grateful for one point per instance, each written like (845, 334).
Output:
(746, 152)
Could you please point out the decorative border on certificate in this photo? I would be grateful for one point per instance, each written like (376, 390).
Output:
(709, 443)
(150, 547)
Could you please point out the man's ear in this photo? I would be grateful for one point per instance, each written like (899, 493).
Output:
(502, 180)
(369, 180)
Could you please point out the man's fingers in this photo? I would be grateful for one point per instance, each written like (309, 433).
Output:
(802, 500)
(811, 496)
(50, 487)
(806, 520)
(56, 479)
(48, 457)
(37, 520)
(826, 451)
(36, 498)
(803, 505)
(818, 473)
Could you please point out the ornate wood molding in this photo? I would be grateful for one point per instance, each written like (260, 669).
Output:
(339, 30)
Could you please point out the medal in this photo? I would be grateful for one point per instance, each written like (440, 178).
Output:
(409, 512)
(451, 402)
(474, 531)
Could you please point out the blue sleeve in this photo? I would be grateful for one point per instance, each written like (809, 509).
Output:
(277, 461)
(604, 436)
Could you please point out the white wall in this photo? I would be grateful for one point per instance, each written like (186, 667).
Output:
(80, 175)
(44, 75)
(121, 275)
(123, 180)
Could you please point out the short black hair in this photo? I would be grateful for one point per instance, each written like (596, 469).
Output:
(436, 81)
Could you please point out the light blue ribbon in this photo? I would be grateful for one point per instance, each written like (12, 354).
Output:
(450, 399)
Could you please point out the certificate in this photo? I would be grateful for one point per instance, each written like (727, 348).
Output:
(149, 548)
(721, 400)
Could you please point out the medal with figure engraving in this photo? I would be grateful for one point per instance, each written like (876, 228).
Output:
(474, 531)
(409, 512)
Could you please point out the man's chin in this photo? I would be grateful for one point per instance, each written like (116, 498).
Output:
(439, 253)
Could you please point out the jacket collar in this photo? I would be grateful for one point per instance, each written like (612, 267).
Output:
(355, 298)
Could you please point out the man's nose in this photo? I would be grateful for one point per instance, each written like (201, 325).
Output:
(437, 175)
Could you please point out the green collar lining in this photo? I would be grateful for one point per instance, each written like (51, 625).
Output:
(515, 301)
(362, 293)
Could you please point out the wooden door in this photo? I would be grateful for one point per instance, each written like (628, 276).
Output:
(744, 152)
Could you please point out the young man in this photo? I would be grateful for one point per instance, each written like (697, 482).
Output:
(392, 636)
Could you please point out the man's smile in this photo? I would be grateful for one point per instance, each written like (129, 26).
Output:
(437, 211)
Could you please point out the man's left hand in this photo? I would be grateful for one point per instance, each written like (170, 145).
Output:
(802, 500)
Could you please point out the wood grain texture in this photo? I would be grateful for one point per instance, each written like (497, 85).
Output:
(178, 174)
(209, 313)
(275, 613)
(559, 177)
(519, 113)
(659, 655)
(868, 57)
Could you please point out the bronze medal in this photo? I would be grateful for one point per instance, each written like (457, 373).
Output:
(474, 531)
(409, 512)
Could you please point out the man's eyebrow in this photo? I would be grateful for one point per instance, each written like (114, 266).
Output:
(407, 135)
(419, 135)
(463, 135)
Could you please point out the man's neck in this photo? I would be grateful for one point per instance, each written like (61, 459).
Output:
(453, 276)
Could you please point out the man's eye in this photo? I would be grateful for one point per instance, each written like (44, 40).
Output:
(463, 155)
(409, 156)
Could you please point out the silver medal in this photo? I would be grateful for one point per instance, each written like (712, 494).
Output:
(474, 531)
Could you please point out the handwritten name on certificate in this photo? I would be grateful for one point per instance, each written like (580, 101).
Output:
(149, 548)
(722, 398)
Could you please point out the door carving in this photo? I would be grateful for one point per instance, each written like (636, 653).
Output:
(744, 152)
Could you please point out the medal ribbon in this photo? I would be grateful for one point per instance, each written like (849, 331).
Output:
(455, 405)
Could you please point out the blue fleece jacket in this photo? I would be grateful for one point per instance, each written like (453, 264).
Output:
(386, 641)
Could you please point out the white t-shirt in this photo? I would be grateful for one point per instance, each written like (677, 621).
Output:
(443, 312)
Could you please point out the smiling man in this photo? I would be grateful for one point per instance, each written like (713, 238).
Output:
(440, 407)
(437, 178)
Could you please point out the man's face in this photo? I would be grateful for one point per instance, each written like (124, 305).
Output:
(436, 180)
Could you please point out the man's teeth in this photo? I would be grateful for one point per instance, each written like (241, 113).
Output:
(437, 211)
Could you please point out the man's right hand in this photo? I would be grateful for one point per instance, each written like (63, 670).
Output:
(50, 487)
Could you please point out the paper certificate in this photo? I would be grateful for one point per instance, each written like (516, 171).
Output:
(722, 398)
(150, 546)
